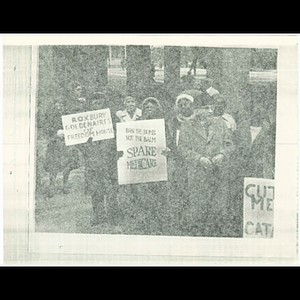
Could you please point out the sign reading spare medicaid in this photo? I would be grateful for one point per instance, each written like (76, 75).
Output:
(258, 208)
(142, 143)
(78, 128)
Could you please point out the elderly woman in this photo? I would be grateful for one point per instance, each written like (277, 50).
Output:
(131, 112)
(206, 144)
(177, 167)
(151, 198)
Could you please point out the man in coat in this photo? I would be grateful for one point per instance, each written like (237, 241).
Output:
(254, 156)
(59, 157)
(75, 102)
(101, 175)
(206, 144)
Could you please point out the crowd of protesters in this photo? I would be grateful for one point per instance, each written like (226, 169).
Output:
(208, 155)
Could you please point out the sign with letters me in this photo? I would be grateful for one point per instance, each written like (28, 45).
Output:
(78, 128)
(142, 143)
(258, 208)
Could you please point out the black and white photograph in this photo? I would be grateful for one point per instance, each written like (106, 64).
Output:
(175, 142)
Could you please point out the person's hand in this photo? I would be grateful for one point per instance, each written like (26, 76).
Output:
(60, 133)
(82, 100)
(218, 160)
(89, 140)
(206, 163)
(120, 154)
(165, 152)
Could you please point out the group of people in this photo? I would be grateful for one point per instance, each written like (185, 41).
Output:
(208, 155)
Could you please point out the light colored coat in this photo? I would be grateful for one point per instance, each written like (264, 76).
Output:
(209, 189)
(124, 116)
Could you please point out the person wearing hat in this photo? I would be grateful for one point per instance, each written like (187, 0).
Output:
(177, 166)
(101, 173)
(151, 203)
(59, 157)
(75, 102)
(131, 112)
(220, 111)
(206, 144)
(151, 109)
(206, 87)
(255, 140)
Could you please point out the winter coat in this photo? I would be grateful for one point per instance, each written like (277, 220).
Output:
(208, 188)
(124, 116)
(100, 164)
(257, 158)
(58, 155)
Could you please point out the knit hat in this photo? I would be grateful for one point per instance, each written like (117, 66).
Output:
(192, 95)
(184, 96)
(153, 100)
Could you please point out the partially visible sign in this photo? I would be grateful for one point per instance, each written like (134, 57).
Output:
(142, 143)
(78, 128)
(259, 208)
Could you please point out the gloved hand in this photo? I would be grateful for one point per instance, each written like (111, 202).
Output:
(206, 163)
(218, 160)
(166, 152)
(60, 133)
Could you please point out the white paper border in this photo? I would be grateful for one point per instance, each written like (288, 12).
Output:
(281, 247)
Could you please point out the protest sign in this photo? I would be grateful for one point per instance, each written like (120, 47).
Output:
(259, 208)
(78, 128)
(142, 143)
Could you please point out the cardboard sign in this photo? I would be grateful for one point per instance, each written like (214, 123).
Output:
(259, 208)
(142, 143)
(78, 128)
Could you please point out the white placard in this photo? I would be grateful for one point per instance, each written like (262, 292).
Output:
(259, 207)
(142, 143)
(78, 128)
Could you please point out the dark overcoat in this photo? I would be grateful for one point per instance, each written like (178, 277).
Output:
(251, 159)
(58, 156)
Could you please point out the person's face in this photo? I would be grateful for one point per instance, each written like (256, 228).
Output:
(258, 113)
(206, 112)
(77, 92)
(150, 110)
(97, 104)
(219, 109)
(58, 106)
(188, 83)
(130, 105)
(185, 107)
(205, 85)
